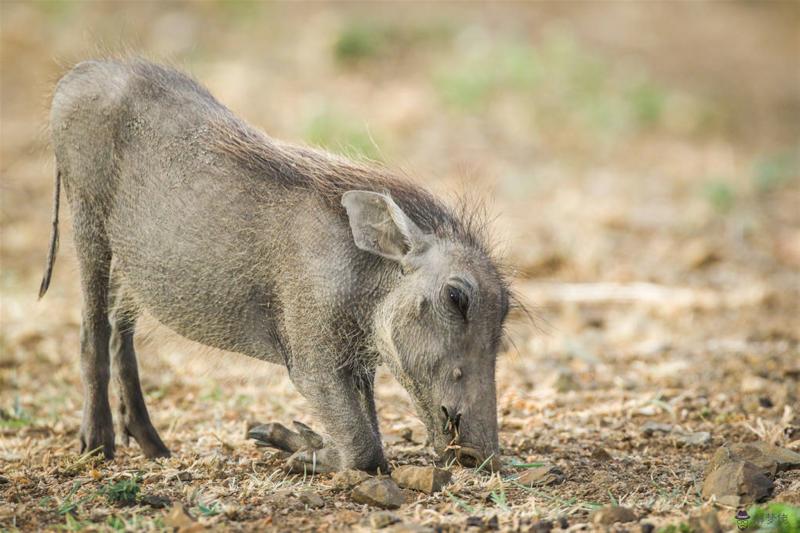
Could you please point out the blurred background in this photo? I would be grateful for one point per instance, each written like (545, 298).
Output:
(640, 160)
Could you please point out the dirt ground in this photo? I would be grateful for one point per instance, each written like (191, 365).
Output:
(641, 165)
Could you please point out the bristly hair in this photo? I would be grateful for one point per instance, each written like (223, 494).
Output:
(330, 176)
(327, 175)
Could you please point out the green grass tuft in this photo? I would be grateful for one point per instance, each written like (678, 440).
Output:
(775, 171)
(123, 492)
(720, 195)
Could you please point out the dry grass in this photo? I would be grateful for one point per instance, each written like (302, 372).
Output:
(647, 202)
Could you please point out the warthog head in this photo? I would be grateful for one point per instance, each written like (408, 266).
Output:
(439, 328)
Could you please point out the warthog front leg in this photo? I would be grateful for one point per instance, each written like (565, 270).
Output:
(278, 436)
(306, 445)
(349, 419)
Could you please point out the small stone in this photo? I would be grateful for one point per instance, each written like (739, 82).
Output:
(565, 381)
(768, 458)
(381, 519)
(4, 480)
(545, 526)
(651, 428)
(312, 499)
(698, 438)
(542, 475)
(705, 523)
(184, 475)
(178, 518)
(382, 492)
(427, 479)
(408, 528)
(647, 527)
(737, 483)
(474, 521)
(612, 514)
(601, 455)
(791, 497)
(699, 254)
(347, 479)
(155, 501)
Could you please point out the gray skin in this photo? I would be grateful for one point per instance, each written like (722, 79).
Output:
(282, 253)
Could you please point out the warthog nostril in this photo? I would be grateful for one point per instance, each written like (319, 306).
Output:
(452, 420)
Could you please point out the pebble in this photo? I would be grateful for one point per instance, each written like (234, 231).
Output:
(541, 475)
(705, 523)
(737, 483)
(651, 428)
(427, 479)
(768, 458)
(408, 528)
(155, 501)
(544, 526)
(380, 492)
(600, 454)
(699, 438)
(312, 499)
(179, 519)
(347, 479)
(381, 519)
(612, 514)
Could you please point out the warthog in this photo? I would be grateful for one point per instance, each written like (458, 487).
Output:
(283, 253)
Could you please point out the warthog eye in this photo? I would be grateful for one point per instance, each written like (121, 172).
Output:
(459, 300)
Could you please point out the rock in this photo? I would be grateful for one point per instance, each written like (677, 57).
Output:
(427, 479)
(312, 499)
(474, 521)
(347, 479)
(768, 458)
(613, 514)
(699, 438)
(380, 492)
(647, 527)
(408, 528)
(484, 525)
(177, 518)
(565, 381)
(381, 519)
(184, 475)
(791, 497)
(651, 428)
(544, 526)
(700, 254)
(155, 501)
(737, 483)
(601, 455)
(705, 523)
(541, 475)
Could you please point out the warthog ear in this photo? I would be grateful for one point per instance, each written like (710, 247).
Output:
(379, 225)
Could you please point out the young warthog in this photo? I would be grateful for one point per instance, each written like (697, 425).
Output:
(282, 253)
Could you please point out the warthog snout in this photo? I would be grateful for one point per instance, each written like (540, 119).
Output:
(465, 453)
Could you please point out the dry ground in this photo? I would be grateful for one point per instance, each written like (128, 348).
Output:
(641, 160)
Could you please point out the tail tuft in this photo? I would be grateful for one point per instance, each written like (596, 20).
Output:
(51, 255)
